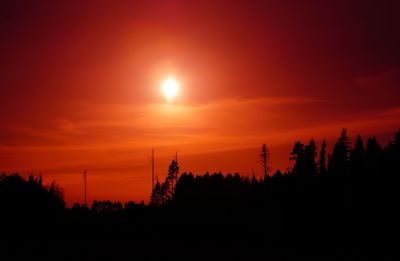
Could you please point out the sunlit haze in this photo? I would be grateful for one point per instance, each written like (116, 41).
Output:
(97, 85)
(170, 88)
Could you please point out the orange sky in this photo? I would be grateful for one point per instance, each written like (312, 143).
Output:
(80, 85)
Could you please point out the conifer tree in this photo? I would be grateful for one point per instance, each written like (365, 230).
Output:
(322, 169)
(265, 160)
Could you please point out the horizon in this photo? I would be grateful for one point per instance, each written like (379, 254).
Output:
(166, 161)
(96, 86)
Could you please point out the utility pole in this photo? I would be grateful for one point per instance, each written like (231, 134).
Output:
(85, 181)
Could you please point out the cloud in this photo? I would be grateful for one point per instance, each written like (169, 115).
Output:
(113, 141)
(386, 81)
(93, 132)
(67, 126)
(227, 123)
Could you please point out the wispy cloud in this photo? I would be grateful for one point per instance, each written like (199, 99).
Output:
(387, 81)
(114, 140)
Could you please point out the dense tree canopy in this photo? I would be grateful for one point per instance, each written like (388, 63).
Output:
(356, 190)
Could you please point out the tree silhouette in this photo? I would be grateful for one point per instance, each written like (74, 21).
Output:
(21, 198)
(297, 151)
(163, 192)
(355, 203)
(357, 156)
(304, 157)
(373, 152)
(157, 195)
(322, 169)
(265, 159)
(340, 155)
(172, 176)
(310, 152)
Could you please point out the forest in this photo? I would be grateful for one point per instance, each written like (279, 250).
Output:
(345, 199)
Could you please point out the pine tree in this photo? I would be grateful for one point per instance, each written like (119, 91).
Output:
(156, 196)
(254, 181)
(297, 155)
(265, 160)
(310, 152)
(322, 170)
(340, 155)
(165, 192)
(357, 156)
(373, 153)
(172, 176)
(297, 151)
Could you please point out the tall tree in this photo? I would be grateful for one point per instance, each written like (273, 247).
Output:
(165, 192)
(310, 152)
(156, 195)
(357, 157)
(172, 177)
(322, 169)
(392, 155)
(265, 160)
(373, 153)
(304, 156)
(298, 149)
(297, 155)
(340, 155)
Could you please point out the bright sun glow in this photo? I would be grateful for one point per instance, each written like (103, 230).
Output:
(170, 88)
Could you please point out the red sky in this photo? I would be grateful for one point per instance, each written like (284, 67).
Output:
(80, 85)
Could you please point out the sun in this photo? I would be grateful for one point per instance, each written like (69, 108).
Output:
(170, 88)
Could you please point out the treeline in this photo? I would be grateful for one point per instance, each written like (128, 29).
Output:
(351, 170)
(28, 202)
(351, 191)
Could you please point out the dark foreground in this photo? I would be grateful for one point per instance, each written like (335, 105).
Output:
(343, 210)
(183, 236)
(209, 244)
